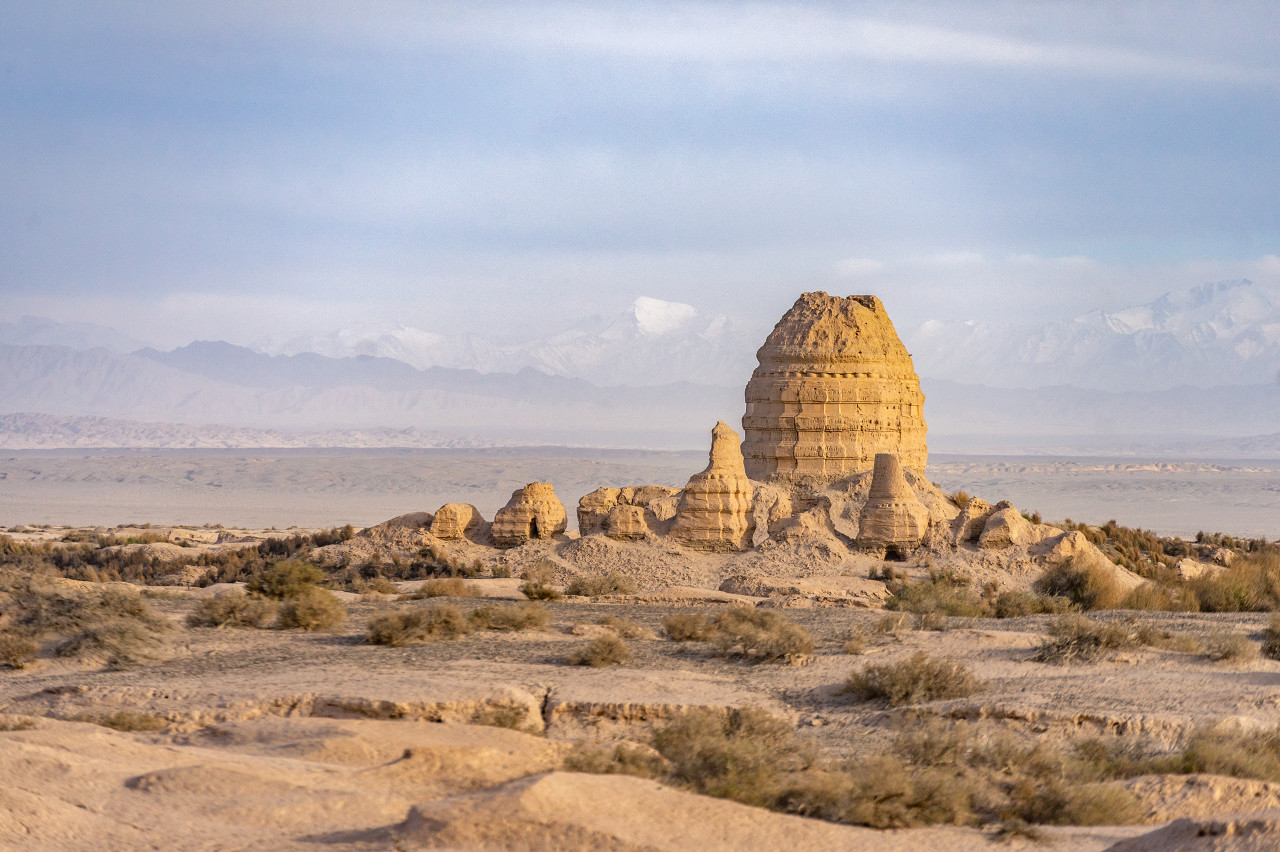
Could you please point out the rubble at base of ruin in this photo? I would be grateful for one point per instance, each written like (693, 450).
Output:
(834, 387)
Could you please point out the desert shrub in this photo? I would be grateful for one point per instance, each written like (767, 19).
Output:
(128, 720)
(1248, 584)
(933, 621)
(1060, 803)
(418, 625)
(111, 624)
(740, 754)
(530, 615)
(941, 593)
(1162, 596)
(16, 723)
(501, 572)
(961, 498)
(760, 635)
(855, 642)
(232, 609)
(1240, 754)
(606, 650)
(687, 627)
(594, 585)
(915, 680)
(1271, 638)
(895, 625)
(625, 627)
(1087, 586)
(510, 715)
(281, 580)
(1074, 638)
(1230, 646)
(16, 651)
(440, 587)
(537, 583)
(624, 759)
(1013, 603)
(311, 608)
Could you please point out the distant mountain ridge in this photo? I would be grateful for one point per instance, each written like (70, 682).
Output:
(1217, 334)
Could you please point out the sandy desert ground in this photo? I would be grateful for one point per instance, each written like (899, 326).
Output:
(292, 740)
(312, 488)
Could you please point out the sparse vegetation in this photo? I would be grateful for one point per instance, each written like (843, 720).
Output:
(606, 650)
(530, 615)
(1271, 638)
(1230, 646)
(855, 643)
(1074, 638)
(625, 627)
(281, 580)
(419, 625)
(687, 627)
(233, 609)
(442, 587)
(537, 583)
(760, 635)
(595, 585)
(1086, 586)
(128, 721)
(16, 651)
(311, 608)
(16, 723)
(918, 679)
(623, 759)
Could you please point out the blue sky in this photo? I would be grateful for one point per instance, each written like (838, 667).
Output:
(233, 169)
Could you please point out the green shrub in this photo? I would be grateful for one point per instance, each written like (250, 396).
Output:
(1087, 586)
(311, 608)
(913, 681)
(595, 585)
(606, 650)
(687, 627)
(530, 615)
(233, 609)
(281, 580)
(419, 625)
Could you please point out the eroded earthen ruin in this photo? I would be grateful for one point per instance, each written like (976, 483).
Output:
(534, 512)
(715, 510)
(834, 387)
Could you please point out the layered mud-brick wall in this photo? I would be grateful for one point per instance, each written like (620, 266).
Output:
(834, 387)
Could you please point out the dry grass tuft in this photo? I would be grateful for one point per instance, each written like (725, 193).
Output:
(625, 627)
(1087, 586)
(530, 615)
(1230, 646)
(625, 758)
(16, 651)
(918, 679)
(1074, 638)
(537, 583)
(398, 629)
(760, 635)
(595, 585)
(311, 608)
(233, 609)
(16, 723)
(128, 721)
(281, 580)
(1271, 638)
(855, 643)
(445, 587)
(688, 627)
(607, 650)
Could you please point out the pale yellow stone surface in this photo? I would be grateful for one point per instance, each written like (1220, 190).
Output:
(534, 512)
(715, 509)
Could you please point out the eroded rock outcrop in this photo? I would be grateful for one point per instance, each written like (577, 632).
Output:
(893, 521)
(455, 520)
(714, 512)
(835, 386)
(594, 508)
(534, 512)
(627, 523)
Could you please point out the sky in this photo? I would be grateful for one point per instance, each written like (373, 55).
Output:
(239, 169)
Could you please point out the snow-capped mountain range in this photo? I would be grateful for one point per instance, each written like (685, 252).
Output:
(1216, 334)
(653, 342)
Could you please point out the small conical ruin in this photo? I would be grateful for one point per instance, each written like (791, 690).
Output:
(715, 510)
(893, 521)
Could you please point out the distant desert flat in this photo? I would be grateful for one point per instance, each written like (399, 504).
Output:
(325, 487)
